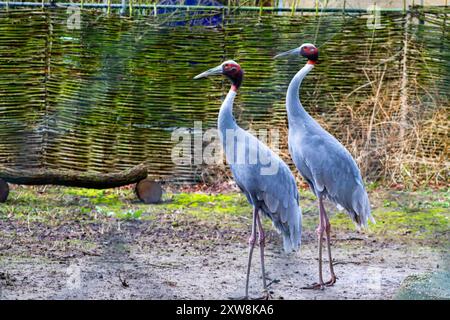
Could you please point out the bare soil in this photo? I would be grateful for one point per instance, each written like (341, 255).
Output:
(155, 260)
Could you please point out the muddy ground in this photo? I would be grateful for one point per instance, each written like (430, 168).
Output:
(179, 256)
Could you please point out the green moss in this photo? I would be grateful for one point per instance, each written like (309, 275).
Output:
(428, 286)
(420, 224)
(391, 204)
(221, 209)
(307, 195)
(371, 186)
(420, 215)
(84, 192)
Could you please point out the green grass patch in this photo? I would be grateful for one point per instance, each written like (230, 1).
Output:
(415, 215)
(395, 223)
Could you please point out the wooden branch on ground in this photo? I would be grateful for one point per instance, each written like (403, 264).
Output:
(4, 191)
(74, 178)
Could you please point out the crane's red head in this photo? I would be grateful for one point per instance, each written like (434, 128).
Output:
(310, 52)
(307, 50)
(231, 69)
(234, 72)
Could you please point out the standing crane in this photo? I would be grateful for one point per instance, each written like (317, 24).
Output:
(324, 162)
(266, 180)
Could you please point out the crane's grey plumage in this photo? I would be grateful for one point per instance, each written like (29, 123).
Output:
(325, 164)
(276, 195)
(266, 181)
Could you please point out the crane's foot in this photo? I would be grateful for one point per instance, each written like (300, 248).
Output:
(332, 281)
(315, 286)
(265, 296)
(274, 281)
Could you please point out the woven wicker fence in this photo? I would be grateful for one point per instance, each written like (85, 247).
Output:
(107, 96)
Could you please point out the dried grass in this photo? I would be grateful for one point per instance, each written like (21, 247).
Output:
(394, 146)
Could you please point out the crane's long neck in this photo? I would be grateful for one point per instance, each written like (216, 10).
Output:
(294, 107)
(226, 120)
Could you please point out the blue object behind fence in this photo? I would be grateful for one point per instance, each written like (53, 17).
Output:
(192, 17)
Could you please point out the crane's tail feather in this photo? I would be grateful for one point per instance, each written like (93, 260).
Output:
(361, 208)
(287, 222)
(292, 230)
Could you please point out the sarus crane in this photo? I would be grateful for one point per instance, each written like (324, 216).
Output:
(266, 180)
(325, 164)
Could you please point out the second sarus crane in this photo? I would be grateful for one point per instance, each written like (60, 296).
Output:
(323, 161)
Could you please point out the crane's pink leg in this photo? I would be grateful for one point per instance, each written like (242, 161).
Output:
(261, 240)
(251, 245)
(318, 285)
(333, 278)
(324, 225)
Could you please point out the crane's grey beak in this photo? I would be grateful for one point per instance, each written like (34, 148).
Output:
(295, 51)
(210, 72)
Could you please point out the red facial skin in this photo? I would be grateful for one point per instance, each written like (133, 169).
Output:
(231, 69)
(311, 53)
(234, 73)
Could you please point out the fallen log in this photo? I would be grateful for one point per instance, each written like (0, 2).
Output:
(4, 190)
(74, 178)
